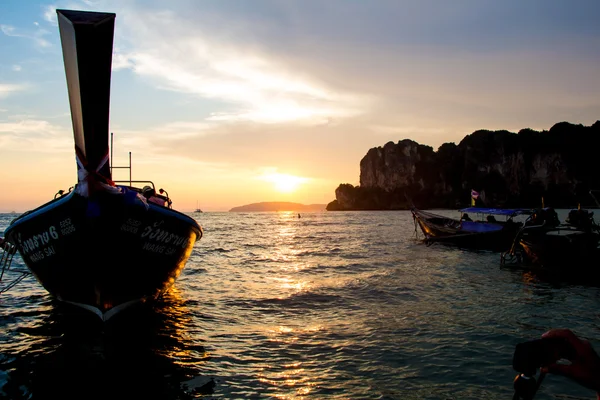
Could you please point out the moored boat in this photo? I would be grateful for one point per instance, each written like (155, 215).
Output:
(569, 247)
(487, 232)
(103, 245)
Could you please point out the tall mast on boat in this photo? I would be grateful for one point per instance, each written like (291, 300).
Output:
(87, 43)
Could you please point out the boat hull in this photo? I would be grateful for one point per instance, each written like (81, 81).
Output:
(104, 253)
(448, 231)
(561, 248)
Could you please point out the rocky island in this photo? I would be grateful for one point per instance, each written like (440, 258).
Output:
(279, 206)
(508, 170)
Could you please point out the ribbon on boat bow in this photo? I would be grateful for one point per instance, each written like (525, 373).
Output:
(92, 181)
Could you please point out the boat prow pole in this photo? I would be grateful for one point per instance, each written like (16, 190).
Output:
(87, 44)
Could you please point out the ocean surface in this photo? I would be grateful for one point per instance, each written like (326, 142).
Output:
(332, 305)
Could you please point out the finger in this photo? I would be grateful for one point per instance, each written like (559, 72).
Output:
(579, 345)
(559, 369)
(559, 332)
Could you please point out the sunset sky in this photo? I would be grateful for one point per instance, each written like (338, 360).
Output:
(230, 102)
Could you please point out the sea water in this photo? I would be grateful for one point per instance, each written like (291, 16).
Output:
(332, 305)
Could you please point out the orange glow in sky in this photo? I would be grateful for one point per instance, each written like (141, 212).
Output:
(284, 183)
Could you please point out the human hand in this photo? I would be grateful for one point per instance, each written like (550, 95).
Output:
(585, 363)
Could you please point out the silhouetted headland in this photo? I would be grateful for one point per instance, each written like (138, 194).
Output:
(279, 206)
(507, 169)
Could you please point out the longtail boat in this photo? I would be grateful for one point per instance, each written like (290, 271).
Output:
(104, 245)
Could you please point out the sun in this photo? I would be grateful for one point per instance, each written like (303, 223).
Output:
(284, 183)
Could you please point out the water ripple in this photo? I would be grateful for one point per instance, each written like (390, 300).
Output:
(330, 306)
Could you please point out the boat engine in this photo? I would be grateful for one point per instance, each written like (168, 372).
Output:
(579, 218)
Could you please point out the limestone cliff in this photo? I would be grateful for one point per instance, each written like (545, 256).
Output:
(508, 170)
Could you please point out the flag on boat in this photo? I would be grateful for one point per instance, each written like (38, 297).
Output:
(474, 196)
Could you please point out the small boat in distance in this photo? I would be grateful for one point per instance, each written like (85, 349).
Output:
(481, 234)
(198, 210)
(101, 245)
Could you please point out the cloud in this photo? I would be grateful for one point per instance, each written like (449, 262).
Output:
(405, 65)
(6, 89)
(50, 14)
(173, 131)
(36, 36)
(165, 142)
(177, 55)
(121, 61)
(32, 135)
